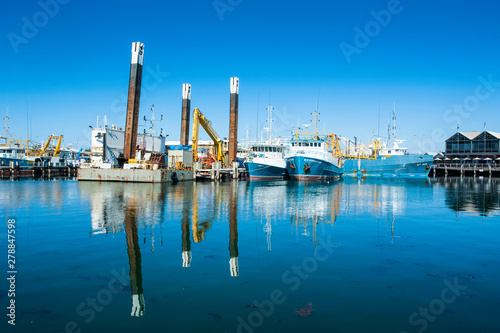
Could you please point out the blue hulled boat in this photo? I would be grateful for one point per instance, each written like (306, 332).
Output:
(14, 156)
(312, 159)
(390, 166)
(266, 161)
(378, 159)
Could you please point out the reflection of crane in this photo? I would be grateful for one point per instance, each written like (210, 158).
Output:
(198, 118)
(47, 144)
(199, 229)
(335, 204)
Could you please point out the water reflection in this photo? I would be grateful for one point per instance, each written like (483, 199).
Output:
(233, 230)
(475, 196)
(309, 208)
(108, 202)
(313, 204)
(206, 202)
(381, 197)
(186, 240)
(268, 201)
(134, 258)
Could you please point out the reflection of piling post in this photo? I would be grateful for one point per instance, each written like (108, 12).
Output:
(233, 120)
(186, 240)
(186, 110)
(233, 231)
(134, 260)
(134, 98)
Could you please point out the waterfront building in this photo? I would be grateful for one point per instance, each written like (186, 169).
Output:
(474, 145)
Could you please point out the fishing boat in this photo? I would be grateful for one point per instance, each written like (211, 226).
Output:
(389, 162)
(267, 160)
(386, 160)
(14, 156)
(313, 157)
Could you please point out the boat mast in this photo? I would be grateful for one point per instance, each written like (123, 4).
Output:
(269, 121)
(257, 132)
(6, 130)
(152, 121)
(378, 128)
(27, 130)
(388, 134)
(247, 137)
(394, 124)
(315, 121)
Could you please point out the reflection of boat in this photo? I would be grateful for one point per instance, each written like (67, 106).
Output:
(321, 209)
(269, 201)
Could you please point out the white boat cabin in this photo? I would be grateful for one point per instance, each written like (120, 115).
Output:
(11, 152)
(267, 151)
(395, 149)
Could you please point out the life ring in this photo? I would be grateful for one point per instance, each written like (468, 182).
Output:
(292, 166)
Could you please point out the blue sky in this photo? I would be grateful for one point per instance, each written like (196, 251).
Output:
(437, 61)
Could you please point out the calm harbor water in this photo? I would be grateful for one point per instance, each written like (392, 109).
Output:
(391, 255)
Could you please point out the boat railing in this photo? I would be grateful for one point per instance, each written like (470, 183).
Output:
(317, 153)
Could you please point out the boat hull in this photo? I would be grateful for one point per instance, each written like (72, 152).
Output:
(7, 161)
(257, 171)
(309, 168)
(390, 166)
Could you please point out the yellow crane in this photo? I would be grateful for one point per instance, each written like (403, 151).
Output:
(47, 144)
(369, 151)
(199, 118)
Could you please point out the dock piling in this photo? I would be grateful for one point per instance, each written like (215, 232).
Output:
(133, 102)
(233, 119)
(186, 110)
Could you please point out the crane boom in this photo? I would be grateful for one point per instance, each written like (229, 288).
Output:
(47, 144)
(199, 118)
(58, 146)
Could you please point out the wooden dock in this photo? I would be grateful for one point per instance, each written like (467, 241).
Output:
(489, 170)
(36, 171)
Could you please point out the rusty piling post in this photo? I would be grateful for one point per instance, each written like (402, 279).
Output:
(133, 102)
(233, 120)
(186, 111)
